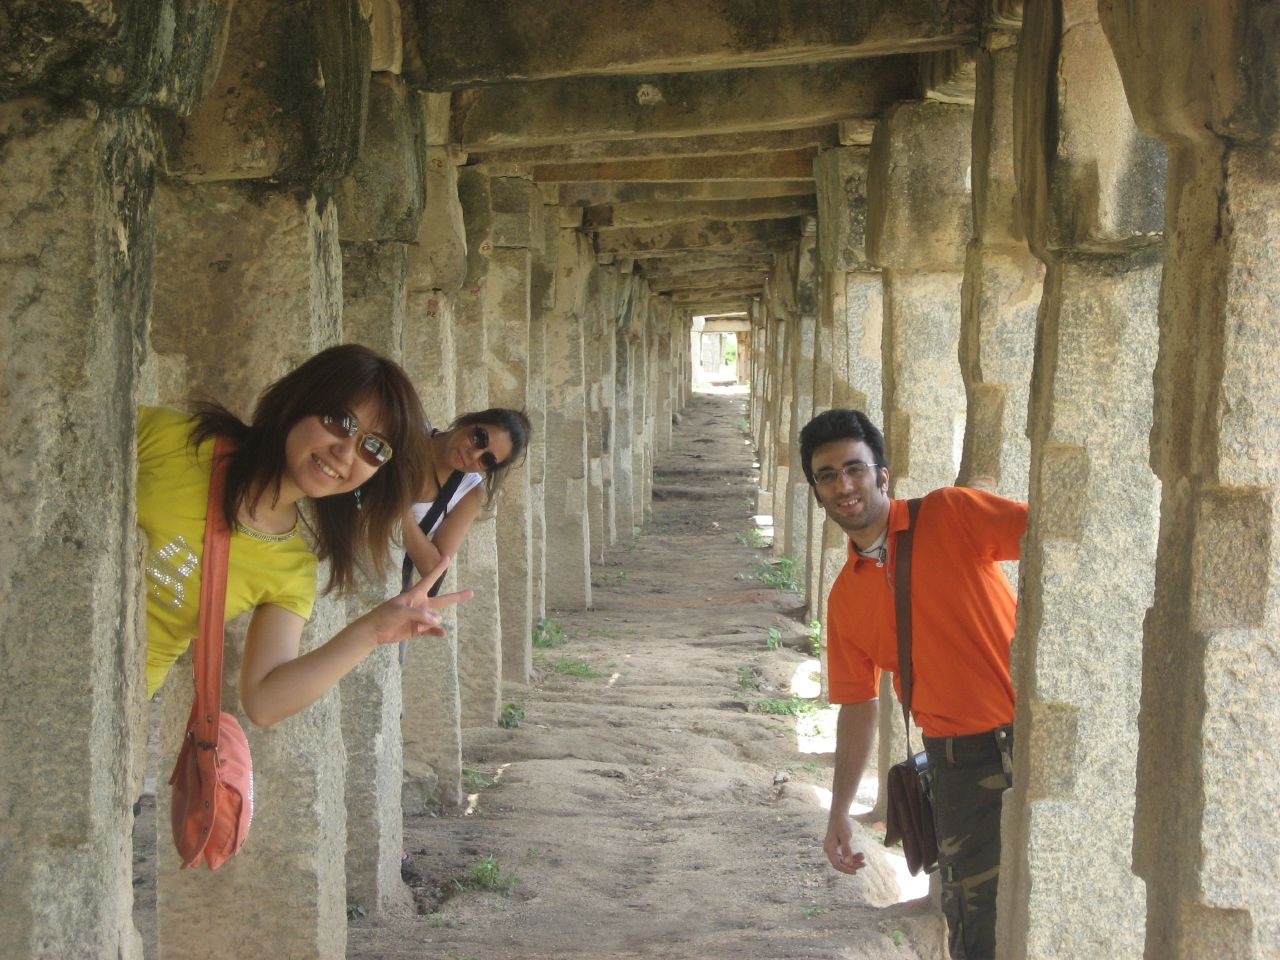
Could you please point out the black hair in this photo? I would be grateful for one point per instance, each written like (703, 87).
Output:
(839, 424)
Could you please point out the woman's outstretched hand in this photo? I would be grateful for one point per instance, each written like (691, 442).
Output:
(410, 614)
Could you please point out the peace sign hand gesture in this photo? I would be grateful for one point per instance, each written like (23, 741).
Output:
(409, 614)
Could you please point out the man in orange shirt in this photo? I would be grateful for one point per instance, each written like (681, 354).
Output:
(963, 616)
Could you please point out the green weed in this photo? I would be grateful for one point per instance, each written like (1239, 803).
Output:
(774, 640)
(478, 780)
(748, 678)
(744, 424)
(780, 574)
(898, 938)
(811, 912)
(354, 909)
(815, 639)
(753, 538)
(573, 667)
(548, 633)
(485, 874)
(511, 715)
(792, 706)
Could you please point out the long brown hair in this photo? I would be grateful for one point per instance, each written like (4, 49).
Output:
(332, 382)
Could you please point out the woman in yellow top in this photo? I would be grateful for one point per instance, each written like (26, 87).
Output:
(343, 432)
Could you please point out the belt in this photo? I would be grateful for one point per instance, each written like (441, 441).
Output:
(994, 746)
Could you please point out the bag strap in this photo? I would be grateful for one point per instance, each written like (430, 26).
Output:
(438, 510)
(902, 606)
(213, 603)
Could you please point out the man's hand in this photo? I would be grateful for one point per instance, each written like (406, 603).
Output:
(838, 845)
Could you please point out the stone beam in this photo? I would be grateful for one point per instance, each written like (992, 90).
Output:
(598, 151)
(661, 214)
(711, 280)
(680, 266)
(707, 235)
(632, 108)
(780, 165)
(514, 40)
(598, 194)
(728, 295)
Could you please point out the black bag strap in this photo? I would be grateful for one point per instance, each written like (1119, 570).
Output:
(902, 606)
(438, 509)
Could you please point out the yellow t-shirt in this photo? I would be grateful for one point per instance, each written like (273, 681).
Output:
(173, 493)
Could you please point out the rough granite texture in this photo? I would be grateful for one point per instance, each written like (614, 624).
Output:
(76, 249)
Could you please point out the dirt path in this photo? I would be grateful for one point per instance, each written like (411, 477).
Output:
(646, 804)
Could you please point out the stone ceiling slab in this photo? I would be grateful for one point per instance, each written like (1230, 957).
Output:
(597, 151)
(597, 194)
(462, 43)
(674, 105)
(659, 214)
(781, 165)
(707, 235)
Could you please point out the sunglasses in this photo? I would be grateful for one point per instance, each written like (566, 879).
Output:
(480, 440)
(371, 448)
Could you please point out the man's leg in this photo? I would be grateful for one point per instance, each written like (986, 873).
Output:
(968, 791)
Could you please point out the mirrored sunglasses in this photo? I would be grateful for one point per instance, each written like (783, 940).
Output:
(480, 440)
(371, 448)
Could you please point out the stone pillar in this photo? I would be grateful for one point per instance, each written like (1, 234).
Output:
(517, 215)
(795, 542)
(639, 411)
(918, 223)
(782, 291)
(1001, 294)
(824, 346)
(480, 621)
(624, 386)
(568, 536)
(1205, 841)
(431, 724)
(76, 248)
(379, 208)
(598, 327)
(1090, 187)
(542, 294)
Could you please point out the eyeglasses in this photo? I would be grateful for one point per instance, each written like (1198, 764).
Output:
(479, 437)
(371, 448)
(853, 471)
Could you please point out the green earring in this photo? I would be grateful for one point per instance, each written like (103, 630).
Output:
(359, 504)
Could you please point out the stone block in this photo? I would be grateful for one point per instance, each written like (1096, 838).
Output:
(374, 277)
(840, 176)
(233, 262)
(431, 724)
(997, 207)
(383, 196)
(76, 248)
(923, 391)
(1193, 72)
(386, 36)
(1088, 179)
(299, 819)
(288, 102)
(919, 213)
(864, 327)
(438, 260)
(125, 52)
(480, 626)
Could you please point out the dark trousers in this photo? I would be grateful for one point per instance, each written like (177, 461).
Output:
(969, 776)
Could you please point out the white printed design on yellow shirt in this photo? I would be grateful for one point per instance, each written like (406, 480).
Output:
(169, 569)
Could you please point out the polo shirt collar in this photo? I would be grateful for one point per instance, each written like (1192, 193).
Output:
(899, 520)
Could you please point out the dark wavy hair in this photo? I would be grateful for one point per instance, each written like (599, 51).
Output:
(840, 424)
(332, 382)
(518, 427)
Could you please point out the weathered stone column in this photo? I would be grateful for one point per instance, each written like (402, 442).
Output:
(379, 207)
(542, 300)
(431, 724)
(824, 345)
(568, 536)
(1206, 841)
(782, 289)
(76, 249)
(666, 367)
(918, 223)
(599, 327)
(1090, 188)
(479, 621)
(517, 215)
(795, 542)
(641, 447)
(1002, 286)
(624, 403)
(220, 329)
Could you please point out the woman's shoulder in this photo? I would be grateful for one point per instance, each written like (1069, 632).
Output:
(162, 432)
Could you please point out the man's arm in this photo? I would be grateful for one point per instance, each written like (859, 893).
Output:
(855, 729)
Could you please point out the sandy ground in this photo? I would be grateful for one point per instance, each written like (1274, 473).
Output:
(647, 805)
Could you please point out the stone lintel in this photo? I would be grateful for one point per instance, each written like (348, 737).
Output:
(632, 108)
(949, 75)
(709, 281)
(706, 235)
(728, 294)
(660, 214)
(514, 40)
(597, 194)
(779, 165)
(599, 151)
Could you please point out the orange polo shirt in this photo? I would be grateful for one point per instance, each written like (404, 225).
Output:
(963, 613)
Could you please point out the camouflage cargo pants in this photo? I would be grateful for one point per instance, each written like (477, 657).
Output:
(968, 777)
